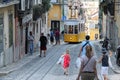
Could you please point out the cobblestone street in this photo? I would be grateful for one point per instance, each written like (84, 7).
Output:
(35, 68)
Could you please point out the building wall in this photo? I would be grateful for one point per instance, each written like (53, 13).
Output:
(54, 14)
(6, 56)
(117, 22)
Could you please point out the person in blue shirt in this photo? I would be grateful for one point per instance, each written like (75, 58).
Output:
(83, 46)
(31, 42)
(51, 36)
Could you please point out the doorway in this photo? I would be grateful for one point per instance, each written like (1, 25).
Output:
(55, 25)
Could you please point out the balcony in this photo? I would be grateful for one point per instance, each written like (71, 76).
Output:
(5, 3)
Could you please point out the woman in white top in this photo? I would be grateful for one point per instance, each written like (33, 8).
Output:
(88, 65)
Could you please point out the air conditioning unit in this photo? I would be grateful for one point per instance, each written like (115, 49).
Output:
(39, 1)
(23, 5)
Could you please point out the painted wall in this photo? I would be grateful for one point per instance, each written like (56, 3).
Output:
(54, 14)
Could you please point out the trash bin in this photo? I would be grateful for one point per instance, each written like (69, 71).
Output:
(118, 56)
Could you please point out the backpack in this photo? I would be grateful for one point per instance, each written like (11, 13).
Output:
(87, 42)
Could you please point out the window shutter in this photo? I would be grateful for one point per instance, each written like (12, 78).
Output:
(22, 5)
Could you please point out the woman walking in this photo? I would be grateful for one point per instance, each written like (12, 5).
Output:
(88, 69)
(105, 64)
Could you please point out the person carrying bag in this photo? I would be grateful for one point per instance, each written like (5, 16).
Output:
(88, 66)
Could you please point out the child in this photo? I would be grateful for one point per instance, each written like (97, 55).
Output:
(66, 62)
(105, 64)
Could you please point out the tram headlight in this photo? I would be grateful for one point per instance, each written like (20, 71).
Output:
(70, 38)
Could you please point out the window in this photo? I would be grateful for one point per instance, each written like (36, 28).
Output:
(96, 26)
(65, 29)
(10, 16)
(22, 5)
(70, 29)
(76, 29)
(119, 8)
(36, 27)
(1, 33)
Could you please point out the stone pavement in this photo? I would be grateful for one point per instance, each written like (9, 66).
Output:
(14, 66)
(28, 58)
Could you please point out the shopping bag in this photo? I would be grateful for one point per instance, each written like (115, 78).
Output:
(60, 61)
(39, 43)
(110, 63)
(78, 63)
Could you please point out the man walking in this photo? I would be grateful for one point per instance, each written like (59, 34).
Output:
(43, 41)
(57, 37)
(83, 45)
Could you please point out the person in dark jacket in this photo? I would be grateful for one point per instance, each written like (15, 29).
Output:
(105, 64)
(43, 41)
(105, 43)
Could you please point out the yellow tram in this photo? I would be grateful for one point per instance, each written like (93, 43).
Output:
(74, 31)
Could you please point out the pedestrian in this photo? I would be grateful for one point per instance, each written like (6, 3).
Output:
(104, 59)
(43, 45)
(105, 43)
(57, 37)
(66, 62)
(51, 37)
(83, 46)
(88, 69)
(31, 42)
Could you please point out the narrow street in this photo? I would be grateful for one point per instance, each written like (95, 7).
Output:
(45, 68)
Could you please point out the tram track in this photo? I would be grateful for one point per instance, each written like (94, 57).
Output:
(42, 62)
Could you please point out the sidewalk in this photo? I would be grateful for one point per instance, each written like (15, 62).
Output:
(14, 66)
(26, 59)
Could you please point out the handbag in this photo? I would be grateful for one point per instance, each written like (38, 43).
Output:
(39, 43)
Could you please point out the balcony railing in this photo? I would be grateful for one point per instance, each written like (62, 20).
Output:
(4, 3)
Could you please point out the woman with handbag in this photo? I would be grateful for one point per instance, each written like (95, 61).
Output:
(88, 66)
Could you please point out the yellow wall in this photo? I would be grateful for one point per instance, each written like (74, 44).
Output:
(94, 31)
(55, 13)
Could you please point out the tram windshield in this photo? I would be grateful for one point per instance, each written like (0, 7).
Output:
(71, 29)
